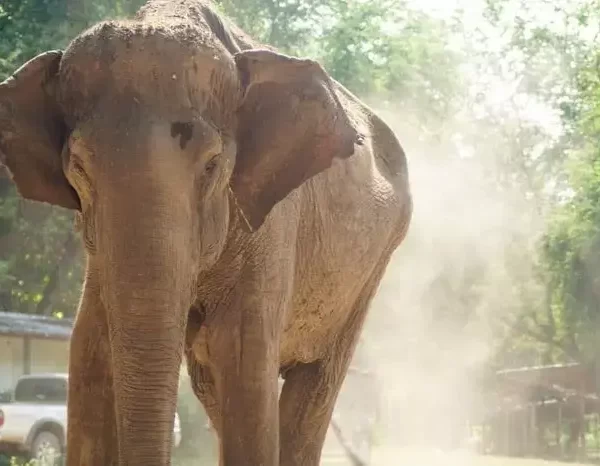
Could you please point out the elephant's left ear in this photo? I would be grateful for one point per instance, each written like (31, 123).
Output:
(291, 127)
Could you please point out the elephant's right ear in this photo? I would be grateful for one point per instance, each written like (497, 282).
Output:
(33, 132)
(292, 126)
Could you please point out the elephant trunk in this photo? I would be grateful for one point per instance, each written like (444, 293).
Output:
(146, 283)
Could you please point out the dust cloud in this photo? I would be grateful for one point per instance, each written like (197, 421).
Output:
(451, 293)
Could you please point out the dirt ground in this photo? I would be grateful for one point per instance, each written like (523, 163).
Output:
(401, 457)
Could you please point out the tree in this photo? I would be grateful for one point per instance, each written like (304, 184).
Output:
(572, 244)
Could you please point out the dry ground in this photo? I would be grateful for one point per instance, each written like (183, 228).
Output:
(399, 457)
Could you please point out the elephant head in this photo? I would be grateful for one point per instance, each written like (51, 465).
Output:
(165, 142)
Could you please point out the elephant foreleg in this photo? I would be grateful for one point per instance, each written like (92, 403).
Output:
(248, 393)
(91, 425)
(242, 344)
(310, 390)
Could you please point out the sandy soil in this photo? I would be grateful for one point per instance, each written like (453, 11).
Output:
(401, 457)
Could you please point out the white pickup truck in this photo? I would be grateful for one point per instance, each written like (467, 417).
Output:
(34, 421)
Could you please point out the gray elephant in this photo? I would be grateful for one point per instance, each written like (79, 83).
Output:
(238, 207)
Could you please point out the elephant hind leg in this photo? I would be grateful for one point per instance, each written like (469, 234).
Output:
(201, 378)
(305, 409)
(204, 388)
(310, 390)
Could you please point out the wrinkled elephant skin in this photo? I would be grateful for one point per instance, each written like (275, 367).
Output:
(238, 208)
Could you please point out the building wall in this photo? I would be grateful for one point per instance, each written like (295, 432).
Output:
(11, 361)
(49, 355)
(46, 356)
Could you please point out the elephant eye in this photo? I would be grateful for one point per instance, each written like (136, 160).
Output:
(211, 165)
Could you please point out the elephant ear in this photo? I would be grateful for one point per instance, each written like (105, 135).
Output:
(291, 127)
(32, 132)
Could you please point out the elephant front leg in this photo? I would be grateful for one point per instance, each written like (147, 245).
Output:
(246, 372)
(310, 390)
(91, 424)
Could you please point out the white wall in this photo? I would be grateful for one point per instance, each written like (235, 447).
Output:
(46, 356)
(11, 361)
(49, 355)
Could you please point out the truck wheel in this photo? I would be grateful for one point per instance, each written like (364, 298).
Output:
(46, 449)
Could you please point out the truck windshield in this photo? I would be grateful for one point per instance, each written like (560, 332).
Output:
(49, 390)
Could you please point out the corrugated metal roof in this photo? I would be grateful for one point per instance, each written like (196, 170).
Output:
(17, 324)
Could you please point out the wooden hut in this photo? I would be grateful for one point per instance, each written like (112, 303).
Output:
(538, 411)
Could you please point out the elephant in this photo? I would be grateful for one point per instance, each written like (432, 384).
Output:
(237, 207)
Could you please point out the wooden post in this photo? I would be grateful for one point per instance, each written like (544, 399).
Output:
(559, 430)
(526, 422)
(506, 433)
(534, 431)
(596, 431)
(582, 450)
(26, 355)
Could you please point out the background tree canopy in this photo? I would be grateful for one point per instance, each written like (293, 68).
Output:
(499, 111)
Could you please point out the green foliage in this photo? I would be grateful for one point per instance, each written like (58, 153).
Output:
(15, 461)
(285, 24)
(25, 31)
(354, 47)
(29, 27)
(34, 259)
(572, 244)
(380, 48)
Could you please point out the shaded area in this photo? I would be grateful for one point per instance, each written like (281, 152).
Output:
(544, 411)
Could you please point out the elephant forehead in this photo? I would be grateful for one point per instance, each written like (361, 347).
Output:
(176, 65)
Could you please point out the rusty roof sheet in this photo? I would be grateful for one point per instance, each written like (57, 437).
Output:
(17, 324)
